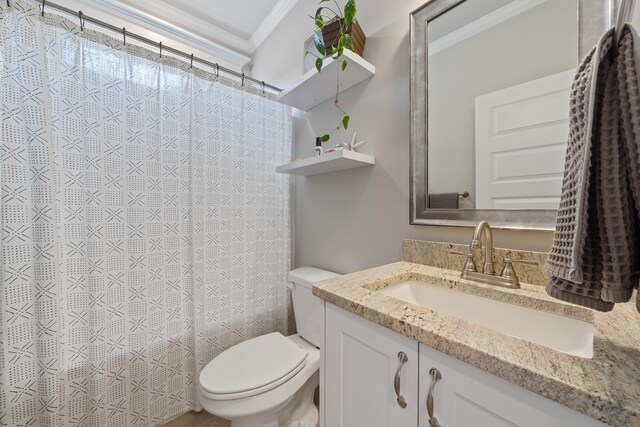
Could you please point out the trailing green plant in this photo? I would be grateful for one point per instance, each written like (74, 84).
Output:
(326, 15)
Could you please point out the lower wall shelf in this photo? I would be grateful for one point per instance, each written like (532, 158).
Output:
(338, 160)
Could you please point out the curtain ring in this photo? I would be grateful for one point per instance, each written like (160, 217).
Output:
(160, 50)
(124, 36)
(263, 87)
(8, 4)
(81, 20)
(192, 60)
(217, 70)
(43, 4)
(242, 81)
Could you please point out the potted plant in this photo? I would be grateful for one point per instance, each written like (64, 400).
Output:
(337, 30)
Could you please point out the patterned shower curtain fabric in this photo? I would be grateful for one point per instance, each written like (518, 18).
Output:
(143, 231)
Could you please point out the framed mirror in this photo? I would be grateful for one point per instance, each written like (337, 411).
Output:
(490, 87)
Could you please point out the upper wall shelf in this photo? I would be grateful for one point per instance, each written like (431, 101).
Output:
(314, 88)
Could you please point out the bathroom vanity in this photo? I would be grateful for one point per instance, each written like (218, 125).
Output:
(364, 361)
(388, 359)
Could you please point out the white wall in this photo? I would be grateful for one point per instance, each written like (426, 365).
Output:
(355, 219)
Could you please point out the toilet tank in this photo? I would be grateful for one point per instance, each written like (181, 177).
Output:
(307, 308)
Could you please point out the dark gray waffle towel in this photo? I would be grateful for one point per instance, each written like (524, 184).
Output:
(594, 258)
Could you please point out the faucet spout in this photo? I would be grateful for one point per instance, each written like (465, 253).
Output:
(483, 230)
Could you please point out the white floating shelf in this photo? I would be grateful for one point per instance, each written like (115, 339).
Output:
(338, 160)
(314, 88)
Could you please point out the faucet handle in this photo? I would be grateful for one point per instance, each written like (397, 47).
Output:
(508, 272)
(508, 259)
(469, 263)
(454, 252)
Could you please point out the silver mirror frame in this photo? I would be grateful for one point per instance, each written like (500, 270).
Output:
(594, 18)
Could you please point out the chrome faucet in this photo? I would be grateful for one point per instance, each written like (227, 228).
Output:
(476, 243)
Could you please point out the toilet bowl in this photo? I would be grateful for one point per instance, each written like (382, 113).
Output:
(278, 398)
(270, 380)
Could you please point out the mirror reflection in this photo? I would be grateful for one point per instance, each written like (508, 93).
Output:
(499, 78)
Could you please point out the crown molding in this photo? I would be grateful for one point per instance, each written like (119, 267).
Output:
(156, 19)
(494, 18)
(271, 21)
(169, 13)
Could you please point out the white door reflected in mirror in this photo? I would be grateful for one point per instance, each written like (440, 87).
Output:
(521, 140)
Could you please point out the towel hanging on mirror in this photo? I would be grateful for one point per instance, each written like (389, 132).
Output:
(594, 259)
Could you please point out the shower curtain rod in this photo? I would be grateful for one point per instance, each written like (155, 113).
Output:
(624, 12)
(190, 56)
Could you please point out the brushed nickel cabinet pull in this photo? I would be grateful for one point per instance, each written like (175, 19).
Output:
(402, 358)
(435, 377)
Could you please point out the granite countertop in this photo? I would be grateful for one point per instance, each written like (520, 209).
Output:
(606, 387)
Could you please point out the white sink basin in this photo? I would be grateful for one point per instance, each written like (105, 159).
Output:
(560, 333)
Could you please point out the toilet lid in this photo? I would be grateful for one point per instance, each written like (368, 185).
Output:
(252, 367)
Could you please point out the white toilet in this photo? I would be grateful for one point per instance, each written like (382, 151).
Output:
(269, 381)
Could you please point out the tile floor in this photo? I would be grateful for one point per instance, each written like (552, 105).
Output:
(196, 419)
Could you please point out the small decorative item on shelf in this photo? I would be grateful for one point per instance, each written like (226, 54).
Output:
(352, 145)
(310, 52)
(337, 31)
(317, 151)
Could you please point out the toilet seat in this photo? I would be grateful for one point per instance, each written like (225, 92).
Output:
(252, 367)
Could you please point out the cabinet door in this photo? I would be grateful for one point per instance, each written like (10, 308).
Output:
(360, 365)
(467, 396)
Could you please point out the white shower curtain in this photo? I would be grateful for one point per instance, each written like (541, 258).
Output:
(143, 230)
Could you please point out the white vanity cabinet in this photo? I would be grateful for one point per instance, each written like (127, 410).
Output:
(360, 365)
(467, 396)
(360, 362)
